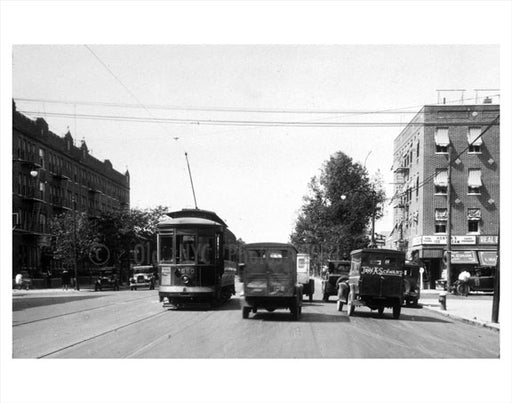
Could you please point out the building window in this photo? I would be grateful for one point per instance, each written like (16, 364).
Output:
(474, 141)
(440, 227)
(474, 181)
(441, 218)
(442, 140)
(41, 157)
(474, 216)
(417, 186)
(473, 227)
(441, 182)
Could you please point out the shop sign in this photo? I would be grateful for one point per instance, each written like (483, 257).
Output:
(488, 239)
(441, 240)
(416, 241)
(488, 258)
(464, 256)
(464, 240)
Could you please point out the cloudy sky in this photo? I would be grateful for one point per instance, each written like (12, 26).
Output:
(311, 98)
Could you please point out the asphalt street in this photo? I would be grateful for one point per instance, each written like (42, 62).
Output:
(133, 324)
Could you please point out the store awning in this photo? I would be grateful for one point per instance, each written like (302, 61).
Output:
(473, 133)
(441, 178)
(475, 178)
(464, 257)
(488, 258)
(441, 137)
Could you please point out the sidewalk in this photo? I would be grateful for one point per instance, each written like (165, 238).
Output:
(475, 309)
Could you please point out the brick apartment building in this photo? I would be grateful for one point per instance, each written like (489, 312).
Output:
(421, 182)
(50, 175)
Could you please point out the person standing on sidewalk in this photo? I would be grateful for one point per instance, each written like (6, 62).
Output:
(65, 279)
(49, 279)
(18, 280)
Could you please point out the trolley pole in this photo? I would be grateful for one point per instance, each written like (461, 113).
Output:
(191, 181)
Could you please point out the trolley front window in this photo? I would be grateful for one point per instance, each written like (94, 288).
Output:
(185, 249)
(166, 253)
(205, 250)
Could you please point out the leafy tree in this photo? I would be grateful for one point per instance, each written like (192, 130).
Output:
(337, 210)
(64, 229)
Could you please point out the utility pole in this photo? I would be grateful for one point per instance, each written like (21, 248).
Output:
(449, 221)
(496, 295)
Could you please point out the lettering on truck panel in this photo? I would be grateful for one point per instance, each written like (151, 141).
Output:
(381, 271)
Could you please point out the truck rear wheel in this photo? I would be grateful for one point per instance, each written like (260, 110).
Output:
(245, 311)
(325, 297)
(339, 305)
(396, 310)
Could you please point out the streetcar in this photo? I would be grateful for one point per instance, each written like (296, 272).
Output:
(197, 259)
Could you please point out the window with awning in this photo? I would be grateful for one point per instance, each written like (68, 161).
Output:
(441, 139)
(473, 134)
(441, 178)
(474, 214)
(441, 214)
(474, 181)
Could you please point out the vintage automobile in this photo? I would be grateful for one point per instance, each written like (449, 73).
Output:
(481, 279)
(303, 275)
(412, 291)
(106, 278)
(376, 280)
(142, 276)
(270, 279)
(337, 272)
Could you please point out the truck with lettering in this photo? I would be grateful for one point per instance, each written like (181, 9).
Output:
(376, 280)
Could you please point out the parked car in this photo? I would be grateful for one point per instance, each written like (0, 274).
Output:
(142, 276)
(376, 280)
(337, 271)
(106, 278)
(412, 290)
(270, 279)
(482, 279)
(303, 275)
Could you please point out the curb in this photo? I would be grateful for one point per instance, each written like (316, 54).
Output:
(476, 322)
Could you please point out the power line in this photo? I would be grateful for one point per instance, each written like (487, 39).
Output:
(219, 122)
(401, 110)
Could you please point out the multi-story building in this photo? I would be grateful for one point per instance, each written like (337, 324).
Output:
(420, 205)
(50, 176)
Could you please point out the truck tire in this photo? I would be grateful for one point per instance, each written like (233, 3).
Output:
(310, 297)
(396, 310)
(325, 297)
(245, 311)
(380, 310)
(339, 305)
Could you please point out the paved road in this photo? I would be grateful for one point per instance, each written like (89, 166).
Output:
(133, 324)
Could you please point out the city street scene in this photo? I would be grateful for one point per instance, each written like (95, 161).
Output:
(251, 205)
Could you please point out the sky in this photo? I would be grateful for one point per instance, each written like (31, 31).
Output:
(254, 177)
(280, 56)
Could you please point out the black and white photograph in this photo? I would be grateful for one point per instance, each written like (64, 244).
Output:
(251, 202)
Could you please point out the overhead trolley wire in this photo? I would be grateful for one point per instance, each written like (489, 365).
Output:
(401, 110)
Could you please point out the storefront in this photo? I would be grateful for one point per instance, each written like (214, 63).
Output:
(469, 252)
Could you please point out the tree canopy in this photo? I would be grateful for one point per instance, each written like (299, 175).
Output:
(337, 210)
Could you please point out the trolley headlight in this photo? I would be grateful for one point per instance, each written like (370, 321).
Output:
(186, 279)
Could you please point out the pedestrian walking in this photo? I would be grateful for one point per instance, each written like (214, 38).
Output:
(49, 279)
(65, 279)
